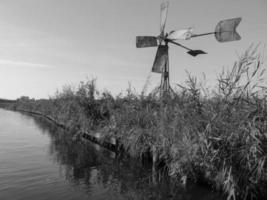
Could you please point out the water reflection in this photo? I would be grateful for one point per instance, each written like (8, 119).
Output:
(101, 176)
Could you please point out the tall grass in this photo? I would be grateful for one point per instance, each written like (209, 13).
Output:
(217, 137)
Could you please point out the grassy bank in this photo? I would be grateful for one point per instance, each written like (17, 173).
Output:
(216, 137)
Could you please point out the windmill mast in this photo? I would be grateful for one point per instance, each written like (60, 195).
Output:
(165, 79)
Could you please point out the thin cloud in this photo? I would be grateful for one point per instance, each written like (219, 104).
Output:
(6, 62)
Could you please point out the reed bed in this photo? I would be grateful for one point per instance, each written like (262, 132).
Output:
(215, 137)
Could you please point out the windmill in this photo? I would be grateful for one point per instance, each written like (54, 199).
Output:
(225, 31)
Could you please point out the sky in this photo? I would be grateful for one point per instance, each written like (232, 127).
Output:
(46, 44)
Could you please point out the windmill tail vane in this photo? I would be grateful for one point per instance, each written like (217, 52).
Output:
(225, 31)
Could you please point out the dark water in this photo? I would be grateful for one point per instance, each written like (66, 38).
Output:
(39, 161)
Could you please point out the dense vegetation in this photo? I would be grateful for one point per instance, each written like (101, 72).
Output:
(216, 137)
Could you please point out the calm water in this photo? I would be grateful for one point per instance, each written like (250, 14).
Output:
(39, 161)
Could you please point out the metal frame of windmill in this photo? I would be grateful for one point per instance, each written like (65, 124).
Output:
(225, 31)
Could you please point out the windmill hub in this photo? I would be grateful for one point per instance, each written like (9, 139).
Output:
(225, 31)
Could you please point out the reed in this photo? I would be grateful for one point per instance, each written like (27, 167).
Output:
(217, 137)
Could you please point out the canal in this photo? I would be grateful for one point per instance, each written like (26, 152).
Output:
(41, 161)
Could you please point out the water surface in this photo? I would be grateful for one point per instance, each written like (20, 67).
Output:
(39, 161)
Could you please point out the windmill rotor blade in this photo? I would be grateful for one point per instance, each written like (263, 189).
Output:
(146, 41)
(225, 30)
(183, 34)
(161, 59)
(196, 52)
(163, 16)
